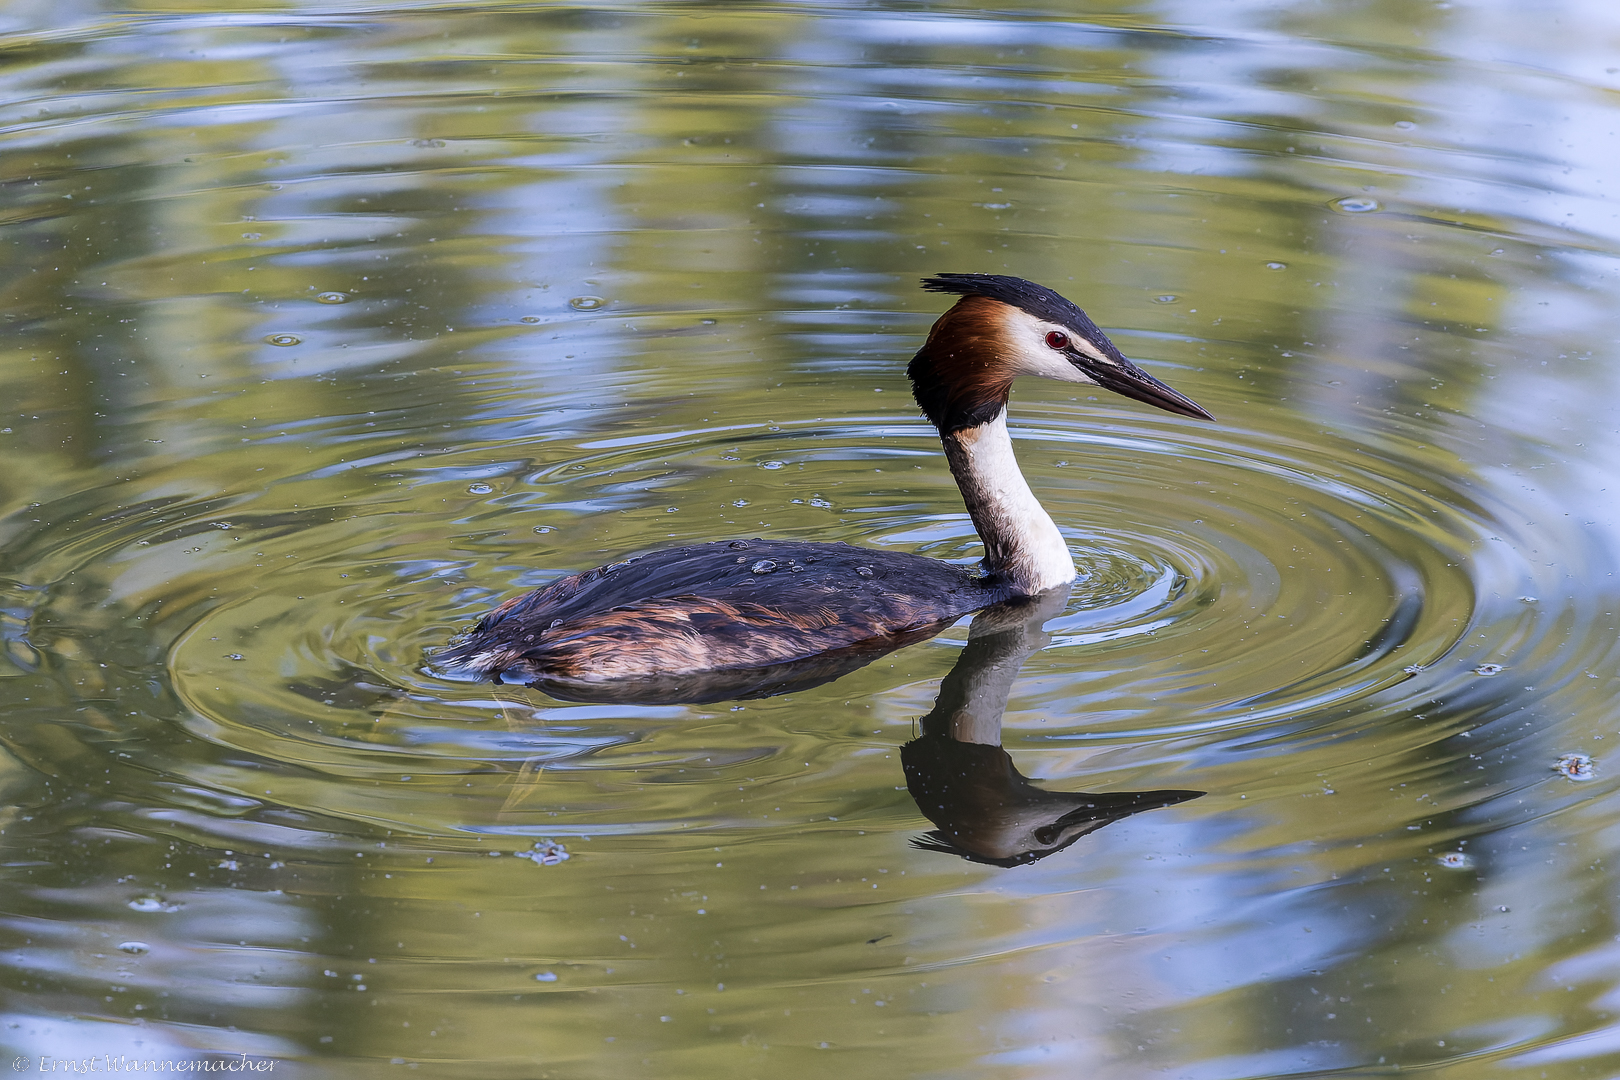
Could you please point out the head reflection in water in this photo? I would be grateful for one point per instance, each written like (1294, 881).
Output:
(965, 783)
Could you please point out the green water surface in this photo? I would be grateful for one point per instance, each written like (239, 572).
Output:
(327, 326)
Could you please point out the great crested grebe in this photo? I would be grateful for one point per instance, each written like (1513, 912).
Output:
(741, 605)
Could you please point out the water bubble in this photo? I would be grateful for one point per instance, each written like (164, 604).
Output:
(546, 976)
(479, 489)
(772, 464)
(1276, 266)
(708, 322)
(1527, 599)
(1167, 298)
(252, 235)
(822, 503)
(1455, 860)
(764, 566)
(1355, 204)
(234, 656)
(1576, 766)
(544, 529)
(530, 319)
(1488, 669)
(586, 303)
(152, 903)
(1405, 125)
(134, 948)
(1413, 669)
(283, 339)
(864, 571)
(428, 144)
(332, 297)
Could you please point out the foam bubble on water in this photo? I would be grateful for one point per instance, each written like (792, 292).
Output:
(1355, 204)
(153, 904)
(544, 853)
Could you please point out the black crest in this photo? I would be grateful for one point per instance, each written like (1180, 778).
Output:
(1038, 300)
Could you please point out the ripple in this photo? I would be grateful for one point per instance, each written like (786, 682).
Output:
(1231, 582)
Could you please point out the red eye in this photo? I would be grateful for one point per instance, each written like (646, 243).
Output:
(1057, 339)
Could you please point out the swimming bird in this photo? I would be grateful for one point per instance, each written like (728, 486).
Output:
(739, 606)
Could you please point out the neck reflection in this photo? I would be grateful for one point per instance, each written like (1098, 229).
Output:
(982, 807)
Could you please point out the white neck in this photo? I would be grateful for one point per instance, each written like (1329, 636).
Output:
(1020, 541)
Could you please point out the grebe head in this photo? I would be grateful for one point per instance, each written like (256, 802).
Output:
(1003, 327)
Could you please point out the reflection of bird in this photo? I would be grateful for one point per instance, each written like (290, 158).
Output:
(746, 604)
(965, 783)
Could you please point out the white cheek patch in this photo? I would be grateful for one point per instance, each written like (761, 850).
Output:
(1031, 354)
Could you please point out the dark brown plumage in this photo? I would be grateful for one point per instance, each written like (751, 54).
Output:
(739, 604)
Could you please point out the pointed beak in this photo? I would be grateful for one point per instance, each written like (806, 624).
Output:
(1124, 377)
